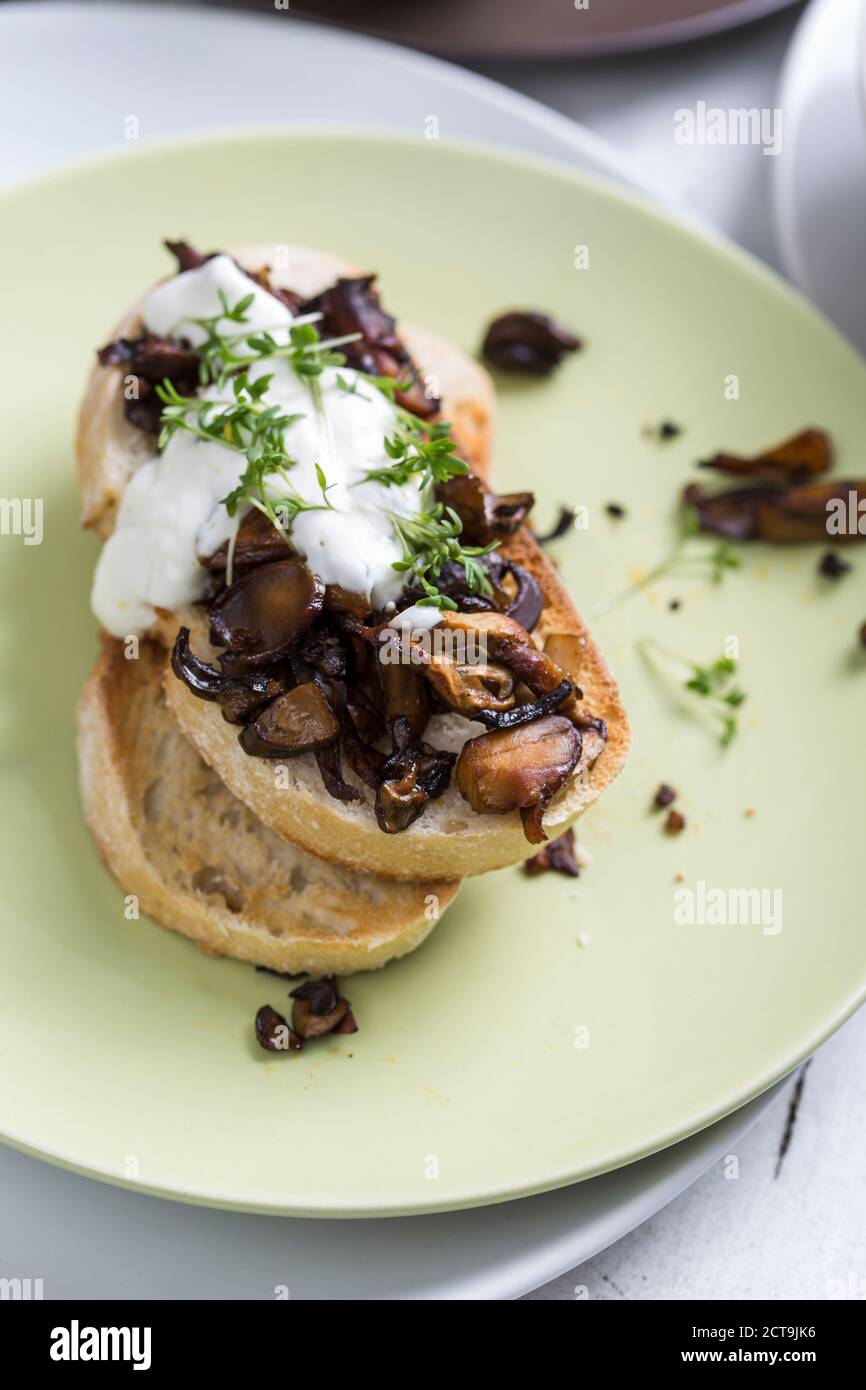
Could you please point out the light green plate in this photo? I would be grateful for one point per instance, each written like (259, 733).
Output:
(503, 1058)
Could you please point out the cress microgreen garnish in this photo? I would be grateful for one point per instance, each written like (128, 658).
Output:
(221, 353)
(708, 691)
(255, 430)
(430, 460)
(243, 421)
(715, 684)
(280, 509)
(429, 542)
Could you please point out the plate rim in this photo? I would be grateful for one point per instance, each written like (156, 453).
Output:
(645, 38)
(458, 79)
(736, 1096)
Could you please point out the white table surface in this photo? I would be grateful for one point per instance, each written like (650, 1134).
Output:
(772, 1231)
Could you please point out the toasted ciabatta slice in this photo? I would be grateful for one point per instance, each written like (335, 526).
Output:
(201, 863)
(449, 840)
(109, 448)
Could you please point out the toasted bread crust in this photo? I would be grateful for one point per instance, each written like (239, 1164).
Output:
(201, 864)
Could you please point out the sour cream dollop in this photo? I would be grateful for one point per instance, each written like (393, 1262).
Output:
(172, 513)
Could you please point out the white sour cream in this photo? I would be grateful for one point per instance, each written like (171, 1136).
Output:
(416, 620)
(171, 512)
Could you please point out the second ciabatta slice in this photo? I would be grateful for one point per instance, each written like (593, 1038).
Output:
(199, 861)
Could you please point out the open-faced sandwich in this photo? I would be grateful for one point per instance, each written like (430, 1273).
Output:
(338, 672)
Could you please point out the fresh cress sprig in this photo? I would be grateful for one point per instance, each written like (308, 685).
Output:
(242, 421)
(707, 691)
(221, 354)
(429, 542)
(430, 460)
(715, 684)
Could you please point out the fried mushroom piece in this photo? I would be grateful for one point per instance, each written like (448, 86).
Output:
(470, 689)
(513, 590)
(339, 600)
(558, 856)
(782, 516)
(414, 774)
(150, 360)
(258, 542)
(353, 306)
(258, 618)
(509, 644)
(330, 765)
(486, 516)
(560, 527)
(522, 341)
(405, 696)
(732, 514)
(805, 455)
(187, 257)
(318, 1008)
(273, 1032)
(519, 769)
(566, 650)
(300, 721)
(527, 603)
(526, 713)
(239, 697)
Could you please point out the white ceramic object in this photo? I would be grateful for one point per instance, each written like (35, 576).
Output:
(78, 1236)
(820, 175)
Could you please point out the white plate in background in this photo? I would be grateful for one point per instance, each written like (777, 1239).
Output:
(74, 74)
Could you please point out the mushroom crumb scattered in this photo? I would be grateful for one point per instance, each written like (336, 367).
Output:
(832, 566)
(318, 1009)
(675, 822)
(665, 796)
(522, 341)
(561, 526)
(560, 856)
(664, 430)
(273, 1032)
